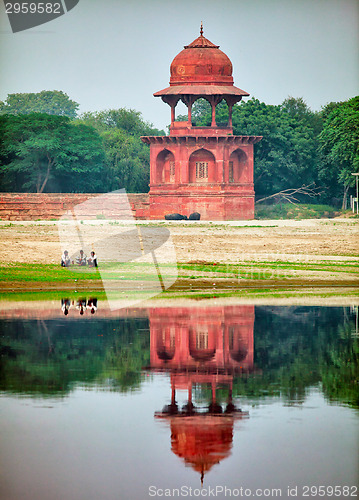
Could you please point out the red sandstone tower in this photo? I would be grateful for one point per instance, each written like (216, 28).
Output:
(201, 169)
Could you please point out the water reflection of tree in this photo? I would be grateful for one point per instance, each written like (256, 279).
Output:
(294, 349)
(298, 347)
(47, 357)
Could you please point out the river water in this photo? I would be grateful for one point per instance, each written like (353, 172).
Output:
(213, 401)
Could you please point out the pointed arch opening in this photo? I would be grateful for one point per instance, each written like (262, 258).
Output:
(181, 111)
(165, 167)
(222, 114)
(166, 343)
(202, 167)
(237, 346)
(236, 166)
(202, 342)
(201, 113)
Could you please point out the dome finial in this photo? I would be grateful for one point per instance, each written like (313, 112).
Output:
(201, 30)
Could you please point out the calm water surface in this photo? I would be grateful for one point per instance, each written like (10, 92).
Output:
(258, 398)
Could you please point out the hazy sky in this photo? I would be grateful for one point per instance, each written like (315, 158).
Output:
(114, 53)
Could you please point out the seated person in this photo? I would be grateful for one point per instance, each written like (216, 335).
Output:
(92, 260)
(65, 259)
(92, 305)
(81, 259)
(81, 306)
(65, 306)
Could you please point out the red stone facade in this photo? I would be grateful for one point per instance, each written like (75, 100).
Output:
(204, 340)
(201, 169)
(202, 346)
(224, 191)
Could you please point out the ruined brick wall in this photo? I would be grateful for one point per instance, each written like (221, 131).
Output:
(47, 206)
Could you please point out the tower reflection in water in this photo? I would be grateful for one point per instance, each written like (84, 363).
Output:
(201, 348)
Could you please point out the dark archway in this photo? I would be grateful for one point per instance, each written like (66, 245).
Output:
(166, 344)
(236, 165)
(237, 348)
(165, 167)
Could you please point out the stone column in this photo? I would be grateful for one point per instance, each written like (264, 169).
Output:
(230, 108)
(213, 105)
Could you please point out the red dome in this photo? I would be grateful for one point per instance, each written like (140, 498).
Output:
(200, 63)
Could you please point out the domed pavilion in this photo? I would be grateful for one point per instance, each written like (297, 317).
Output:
(201, 169)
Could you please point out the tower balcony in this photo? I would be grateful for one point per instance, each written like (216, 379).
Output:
(185, 129)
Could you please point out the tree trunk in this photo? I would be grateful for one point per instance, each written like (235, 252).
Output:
(49, 165)
(345, 194)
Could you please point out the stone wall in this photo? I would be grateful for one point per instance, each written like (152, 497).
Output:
(47, 206)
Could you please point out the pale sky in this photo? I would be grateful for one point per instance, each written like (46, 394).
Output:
(113, 53)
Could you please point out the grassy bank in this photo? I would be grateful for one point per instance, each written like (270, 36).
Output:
(199, 275)
(297, 211)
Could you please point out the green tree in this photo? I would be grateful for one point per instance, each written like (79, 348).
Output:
(127, 157)
(286, 157)
(40, 152)
(339, 144)
(128, 120)
(52, 102)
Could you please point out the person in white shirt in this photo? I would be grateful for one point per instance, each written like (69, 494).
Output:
(65, 259)
(65, 306)
(81, 306)
(92, 305)
(81, 259)
(92, 260)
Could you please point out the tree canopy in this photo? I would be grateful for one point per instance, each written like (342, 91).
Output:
(339, 144)
(41, 152)
(52, 102)
(286, 157)
(127, 158)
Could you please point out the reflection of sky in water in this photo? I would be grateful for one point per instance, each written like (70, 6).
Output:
(93, 434)
(99, 444)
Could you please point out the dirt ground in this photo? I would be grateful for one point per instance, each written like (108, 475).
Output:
(227, 242)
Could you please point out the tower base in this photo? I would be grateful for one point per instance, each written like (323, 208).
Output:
(211, 206)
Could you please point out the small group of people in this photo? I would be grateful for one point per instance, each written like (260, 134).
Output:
(81, 259)
(82, 305)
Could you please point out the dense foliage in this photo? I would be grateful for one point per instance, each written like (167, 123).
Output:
(45, 357)
(287, 155)
(102, 151)
(41, 152)
(52, 102)
(339, 144)
(98, 152)
(127, 158)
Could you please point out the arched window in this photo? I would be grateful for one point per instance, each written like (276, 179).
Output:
(202, 342)
(165, 167)
(202, 166)
(166, 343)
(236, 166)
(237, 347)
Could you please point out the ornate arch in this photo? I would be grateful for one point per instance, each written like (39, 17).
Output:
(202, 166)
(165, 167)
(202, 342)
(236, 165)
(165, 345)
